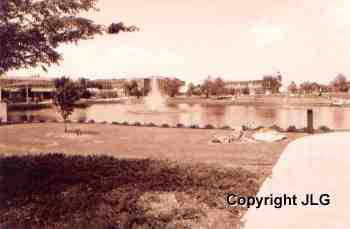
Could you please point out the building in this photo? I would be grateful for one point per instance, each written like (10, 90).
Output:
(37, 88)
(106, 83)
(116, 86)
(144, 84)
(269, 84)
(121, 85)
(26, 89)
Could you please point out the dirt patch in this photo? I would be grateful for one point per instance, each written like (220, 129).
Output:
(59, 191)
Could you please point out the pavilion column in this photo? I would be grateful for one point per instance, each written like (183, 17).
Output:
(3, 109)
(27, 94)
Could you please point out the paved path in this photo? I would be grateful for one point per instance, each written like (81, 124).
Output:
(318, 164)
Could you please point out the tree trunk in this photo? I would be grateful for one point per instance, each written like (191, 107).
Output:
(65, 126)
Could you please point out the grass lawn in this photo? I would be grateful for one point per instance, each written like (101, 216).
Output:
(58, 191)
(126, 177)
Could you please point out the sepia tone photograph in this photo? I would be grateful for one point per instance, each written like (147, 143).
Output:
(180, 114)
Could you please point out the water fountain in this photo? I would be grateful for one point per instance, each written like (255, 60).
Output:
(155, 101)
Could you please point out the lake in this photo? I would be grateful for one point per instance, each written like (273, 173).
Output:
(199, 114)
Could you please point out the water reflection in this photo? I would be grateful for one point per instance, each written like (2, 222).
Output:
(339, 117)
(197, 114)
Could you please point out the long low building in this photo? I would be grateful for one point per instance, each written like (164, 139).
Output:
(15, 88)
(269, 84)
(37, 88)
(144, 84)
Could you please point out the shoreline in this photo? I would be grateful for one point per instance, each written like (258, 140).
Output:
(257, 101)
(273, 101)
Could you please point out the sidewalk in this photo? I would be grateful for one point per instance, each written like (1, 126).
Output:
(316, 165)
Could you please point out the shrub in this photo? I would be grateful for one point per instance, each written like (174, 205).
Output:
(209, 126)
(292, 129)
(165, 125)
(81, 119)
(258, 128)
(226, 128)
(30, 118)
(275, 127)
(42, 120)
(194, 126)
(115, 123)
(91, 121)
(180, 125)
(325, 129)
(136, 124)
(151, 124)
(104, 122)
(125, 123)
(245, 128)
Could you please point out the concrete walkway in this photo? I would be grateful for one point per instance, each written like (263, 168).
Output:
(316, 165)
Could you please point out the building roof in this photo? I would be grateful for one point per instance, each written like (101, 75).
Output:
(6, 77)
(42, 89)
(12, 89)
(244, 82)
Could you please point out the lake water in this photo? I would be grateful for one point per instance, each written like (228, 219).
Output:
(199, 114)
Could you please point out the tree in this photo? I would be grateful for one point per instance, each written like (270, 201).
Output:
(190, 89)
(132, 88)
(218, 86)
(339, 83)
(305, 87)
(126, 87)
(31, 30)
(315, 87)
(232, 91)
(173, 86)
(67, 94)
(272, 83)
(207, 86)
(197, 90)
(292, 88)
(83, 84)
(245, 90)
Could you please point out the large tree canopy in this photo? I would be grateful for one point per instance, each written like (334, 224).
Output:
(31, 30)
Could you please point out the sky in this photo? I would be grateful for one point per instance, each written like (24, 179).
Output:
(233, 39)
